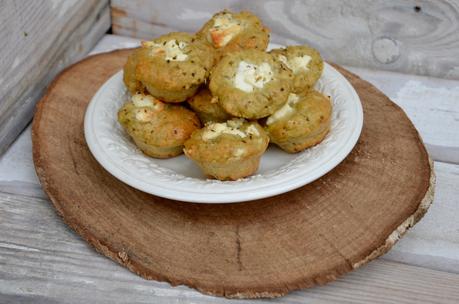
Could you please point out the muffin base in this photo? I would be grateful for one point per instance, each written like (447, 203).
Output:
(232, 170)
(158, 152)
(298, 144)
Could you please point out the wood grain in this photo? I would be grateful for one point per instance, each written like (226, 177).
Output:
(43, 261)
(37, 40)
(430, 103)
(417, 248)
(414, 36)
(437, 234)
(31, 222)
(256, 249)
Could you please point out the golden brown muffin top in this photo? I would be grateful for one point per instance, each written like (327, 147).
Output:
(231, 140)
(305, 62)
(157, 123)
(228, 32)
(302, 114)
(176, 60)
(250, 84)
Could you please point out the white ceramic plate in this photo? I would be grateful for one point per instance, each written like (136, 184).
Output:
(180, 179)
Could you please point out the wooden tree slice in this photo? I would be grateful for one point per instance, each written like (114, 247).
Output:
(264, 248)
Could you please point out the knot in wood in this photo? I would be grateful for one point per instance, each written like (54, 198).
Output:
(386, 50)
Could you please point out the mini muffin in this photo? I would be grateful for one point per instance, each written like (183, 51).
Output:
(250, 84)
(207, 107)
(305, 63)
(129, 78)
(158, 129)
(229, 32)
(228, 151)
(301, 123)
(173, 66)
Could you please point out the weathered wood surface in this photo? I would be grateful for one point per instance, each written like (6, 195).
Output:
(37, 40)
(43, 261)
(264, 248)
(434, 241)
(431, 103)
(416, 37)
(75, 273)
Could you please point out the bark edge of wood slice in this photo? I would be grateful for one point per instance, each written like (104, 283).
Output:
(264, 248)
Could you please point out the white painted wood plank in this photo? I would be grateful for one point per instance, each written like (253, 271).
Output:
(17, 172)
(431, 103)
(42, 261)
(434, 241)
(37, 40)
(416, 37)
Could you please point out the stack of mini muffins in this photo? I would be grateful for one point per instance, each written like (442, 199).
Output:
(221, 98)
